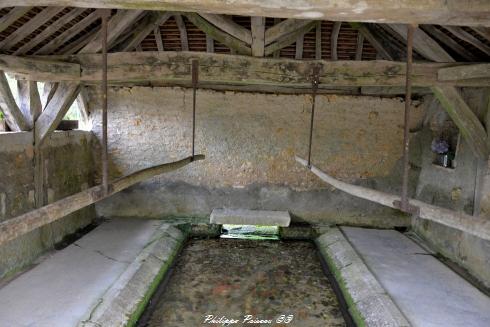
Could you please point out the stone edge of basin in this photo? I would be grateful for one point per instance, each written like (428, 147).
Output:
(367, 301)
(250, 217)
(123, 303)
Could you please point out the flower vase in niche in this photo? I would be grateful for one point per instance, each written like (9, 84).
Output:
(441, 149)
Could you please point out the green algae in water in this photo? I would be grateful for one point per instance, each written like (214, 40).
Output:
(250, 232)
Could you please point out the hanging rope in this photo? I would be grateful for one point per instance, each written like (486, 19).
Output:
(315, 80)
(195, 79)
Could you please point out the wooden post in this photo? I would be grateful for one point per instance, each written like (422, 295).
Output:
(105, 165)
(406, 132)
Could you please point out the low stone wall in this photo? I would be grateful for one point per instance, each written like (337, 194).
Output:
(68, 168)
(250, 141)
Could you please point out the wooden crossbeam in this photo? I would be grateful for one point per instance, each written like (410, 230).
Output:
(14, 14)
(422, 43)
(145, 27)
(474, 71)
(55, 110)
(26, 29)
(13, 114)
(477, 226)
(468, 123)
(442, 12)
(39, 69)
(229, 26)
(467, 37)
(288, 39)
(116, 25)
(174, 68)
(333, 40)
(282, 29)
(224, 38)
(48, 31)
(68, 34)
(15, 227)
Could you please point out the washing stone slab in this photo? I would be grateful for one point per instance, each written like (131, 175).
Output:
(428, 293)
(367, 301)
(66, 288)
(250, 217)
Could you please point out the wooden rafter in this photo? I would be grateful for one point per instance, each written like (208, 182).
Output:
(13, 114)
(468, 123)
(449, 42)
(467, 37)
(78, 44)
(282, 29)
(374, 41)
(26, 29)
(14, 14)
(145, 27)
(483, 32)
(229, 26)
(68, 34)
(158, 38)
(442, 12)
(48, 31)
(55, 110)
(422, 43)
(224, 38)
(183, 32)
(288, 39)
(334, 39)
(116, 26)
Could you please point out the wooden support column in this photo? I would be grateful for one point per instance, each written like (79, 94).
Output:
(468, 123)
(299, 47)
(404, 205)
(258, 36)
(209, 44)
(158, 38)
(105, 160)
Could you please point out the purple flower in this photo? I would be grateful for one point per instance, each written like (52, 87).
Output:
(440, 146)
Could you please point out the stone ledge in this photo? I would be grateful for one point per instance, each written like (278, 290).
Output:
(125, 300)
(368, 302)
(250, 217)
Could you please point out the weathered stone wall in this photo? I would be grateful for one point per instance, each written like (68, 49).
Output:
(69, 168)
(250, 141)
(454, 189)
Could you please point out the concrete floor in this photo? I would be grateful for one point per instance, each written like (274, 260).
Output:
(66, 286)
(427, 292)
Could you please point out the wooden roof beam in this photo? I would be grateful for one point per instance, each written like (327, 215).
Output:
(229, 26)
(12, 16)
(152, 21)
(442, 12)
(288, 39)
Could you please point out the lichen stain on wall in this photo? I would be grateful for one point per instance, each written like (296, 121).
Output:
(253, 138)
